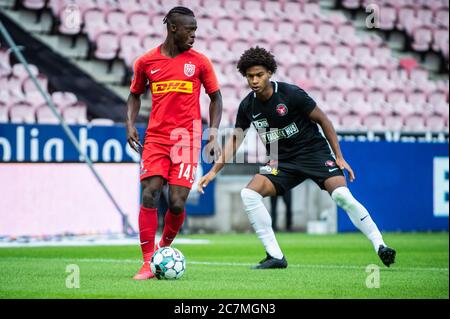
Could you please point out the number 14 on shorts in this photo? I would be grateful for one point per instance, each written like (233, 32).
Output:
(187, 171)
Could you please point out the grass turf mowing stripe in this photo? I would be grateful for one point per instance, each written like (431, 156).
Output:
(213, 263)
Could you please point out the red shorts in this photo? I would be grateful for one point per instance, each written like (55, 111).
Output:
(175, 164)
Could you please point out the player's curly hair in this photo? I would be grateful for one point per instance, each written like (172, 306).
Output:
(256, 56)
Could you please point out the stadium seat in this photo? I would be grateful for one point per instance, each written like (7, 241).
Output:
(4, 118)
(75, 114)
(273, 9)
(253, 9)
(351, 4)
(130, 48)
(405, 15)
(64, 99)
(292, 10)
(101, 122)
(29, 86)
(34, 4)
(129, 6)
(394, 122)
(107, 46)
(387, 17)
(414, 123)
(423, 37)
(45, 115)
(22, 113)
(373, 122)
(226, 27)
(246, 27)
(139, 22)
(351, 122)
(441, 107)
(19, 71)
(417, 98)
(436, 123)
(326, 31)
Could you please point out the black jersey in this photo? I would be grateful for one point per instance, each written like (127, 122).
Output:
(283, 121)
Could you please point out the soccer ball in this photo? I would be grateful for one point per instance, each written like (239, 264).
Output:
(168, 263)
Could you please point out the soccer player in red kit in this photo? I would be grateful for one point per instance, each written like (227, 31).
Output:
(175, 73)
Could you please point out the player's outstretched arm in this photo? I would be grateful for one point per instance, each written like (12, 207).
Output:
(133, 107)
(319, 117)
(229, 151)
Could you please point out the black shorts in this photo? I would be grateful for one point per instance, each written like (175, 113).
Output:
(288, 173)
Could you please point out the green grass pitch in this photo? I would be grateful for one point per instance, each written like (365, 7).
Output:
(330, 266)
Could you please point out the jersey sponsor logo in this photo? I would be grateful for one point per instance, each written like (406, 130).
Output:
(282, 109)
(272, 136)
(261, 123)
(189, 69)
(172, 86)
(268, 170)
(330, 163)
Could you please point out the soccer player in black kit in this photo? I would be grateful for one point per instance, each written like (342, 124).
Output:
(287, 120)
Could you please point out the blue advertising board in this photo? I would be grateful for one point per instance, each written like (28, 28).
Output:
(103, 144)
(404, 186)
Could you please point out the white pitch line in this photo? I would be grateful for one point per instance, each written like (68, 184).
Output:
(215, 263)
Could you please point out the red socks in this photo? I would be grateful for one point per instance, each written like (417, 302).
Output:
(148, 224)
(172, 225)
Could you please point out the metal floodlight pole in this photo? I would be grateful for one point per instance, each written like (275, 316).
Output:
(127, 228)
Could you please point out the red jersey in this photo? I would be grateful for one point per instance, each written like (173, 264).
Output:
(175, 84)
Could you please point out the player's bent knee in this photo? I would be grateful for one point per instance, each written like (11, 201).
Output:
(343, 197)
(250, 198)
(150, 197)
(177, 208)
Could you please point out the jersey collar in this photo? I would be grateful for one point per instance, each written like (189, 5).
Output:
(275, 88)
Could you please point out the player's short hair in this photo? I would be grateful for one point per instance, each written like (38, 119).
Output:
(177, 10)
(256, 56)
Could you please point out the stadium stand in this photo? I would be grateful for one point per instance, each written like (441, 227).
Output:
(355, 76)
(21, 102)
(77, 96)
